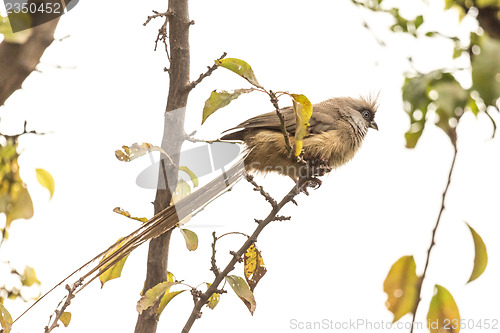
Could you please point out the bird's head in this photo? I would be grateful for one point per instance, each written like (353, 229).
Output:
(363, 111)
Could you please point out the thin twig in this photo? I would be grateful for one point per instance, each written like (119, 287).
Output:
(157, 14)
(214, 267)
(209, 72)
(438, 220)
(67, 302)
(274, 101)
(260, 189)
(25, 131)
(196, 312)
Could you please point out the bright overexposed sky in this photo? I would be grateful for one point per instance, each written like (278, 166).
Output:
(104, 87)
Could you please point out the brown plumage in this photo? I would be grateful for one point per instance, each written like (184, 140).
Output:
(337, 128)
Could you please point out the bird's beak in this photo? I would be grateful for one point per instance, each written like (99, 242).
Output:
(374, 125)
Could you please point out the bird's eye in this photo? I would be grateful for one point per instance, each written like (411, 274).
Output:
(366, 114)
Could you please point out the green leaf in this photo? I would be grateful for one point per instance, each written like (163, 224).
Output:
(219, 100)
(443, 313)
(191, 239)
(418, 21)
(65, 318)
(303, 109)
(481, 256)
(450, 103)
(120, 211)
(401, 286)
(253, 266)
(241, 289)
(452, 97)
(153, 295)
(29, 277)
(213, 300)
(191, 175)
(45, 179)
(415, 94)
(486, 70)
(240, 67)
(5, 319)
(108, 272)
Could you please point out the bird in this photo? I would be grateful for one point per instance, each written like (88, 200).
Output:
(336, 129)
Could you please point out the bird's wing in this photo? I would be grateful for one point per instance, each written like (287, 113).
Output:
(321, 121)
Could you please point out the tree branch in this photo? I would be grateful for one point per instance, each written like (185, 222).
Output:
(67, 302)
(203, 299)
(438, 220)
(207, 73)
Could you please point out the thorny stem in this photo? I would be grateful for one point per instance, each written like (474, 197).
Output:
(67, 302)
(438, 220)
(196, 313)
(209, 72)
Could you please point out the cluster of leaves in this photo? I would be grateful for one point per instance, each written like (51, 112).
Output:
(402, 288)
(439, 90)
(16, 203)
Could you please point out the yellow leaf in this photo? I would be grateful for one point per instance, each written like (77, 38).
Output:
(219, 100)
(16, 27)
(443, 315)
(166, 299)
(254, 266)
(120, 211)
(481, 256)
(302, 108)
(182, 190)
(241, 289)
(213, 300)
(240, 67)
(191, 239)
(29, 277)
(65, 318)
(112, 272)
(153, 295)
(22, 206)
(191, 175)
(45, 179)
(5, 319)
(136, 150)
(400, 286)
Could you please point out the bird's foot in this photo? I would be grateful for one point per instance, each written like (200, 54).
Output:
(317, 166)
(304, 183)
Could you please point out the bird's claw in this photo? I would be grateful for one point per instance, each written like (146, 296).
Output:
(317, 166)
(313, 182)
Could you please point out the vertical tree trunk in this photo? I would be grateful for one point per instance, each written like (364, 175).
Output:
(172, 140)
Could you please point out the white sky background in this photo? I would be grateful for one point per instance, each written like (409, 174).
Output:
(330, 260)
